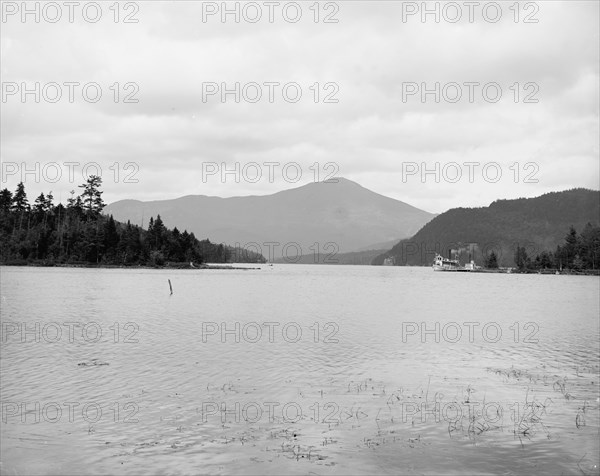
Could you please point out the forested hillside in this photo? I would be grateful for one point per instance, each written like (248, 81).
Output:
(78, 233)
(535, 224)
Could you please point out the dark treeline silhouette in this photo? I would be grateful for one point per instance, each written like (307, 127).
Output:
(579, 252)
(78, 233)
(537, 224)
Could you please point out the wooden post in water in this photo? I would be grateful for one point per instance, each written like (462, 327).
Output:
(170, 287)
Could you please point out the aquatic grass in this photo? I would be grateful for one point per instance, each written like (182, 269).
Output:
(527, 424)
(369, 414)
(580, 416)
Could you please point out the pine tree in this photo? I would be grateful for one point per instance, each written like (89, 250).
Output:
(159, 232)
(571, 248)
(6, 199)
(49, 199)
(40, 203)
(20, 202)
(521, 259)
(111, 237)
(492, 261)
(92, 196)
(590, 246)
(71, 200)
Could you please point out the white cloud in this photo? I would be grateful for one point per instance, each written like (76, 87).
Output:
(369, 133)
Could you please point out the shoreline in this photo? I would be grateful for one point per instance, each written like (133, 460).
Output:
(183, 266)
(137, 266)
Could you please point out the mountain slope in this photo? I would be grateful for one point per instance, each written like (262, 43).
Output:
(344, 213)
(537, 224)
(353, 257)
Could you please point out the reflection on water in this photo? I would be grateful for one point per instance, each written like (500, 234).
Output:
(298, 369)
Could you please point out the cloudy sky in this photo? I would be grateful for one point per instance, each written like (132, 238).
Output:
(361, 69)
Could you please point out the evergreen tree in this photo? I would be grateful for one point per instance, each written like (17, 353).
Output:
(49, 201)
(492, 260)
(522, 261)
(20, 202)
(159, 232)
(6, 200)
(111, 238)
(590, 246)
(40, 204)
(71, 200)
(92, 196)
(571, 248)
(544, 260)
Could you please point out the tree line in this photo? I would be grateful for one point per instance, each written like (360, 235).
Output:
(541, 221)
(580, 252)
(78, 233)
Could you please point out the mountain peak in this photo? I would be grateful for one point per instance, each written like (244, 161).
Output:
(336, 211)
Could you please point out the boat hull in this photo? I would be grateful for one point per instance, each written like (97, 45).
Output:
(452, 269)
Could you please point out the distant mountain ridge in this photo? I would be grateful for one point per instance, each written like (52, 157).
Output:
(537, 224)
(344, 213)
(353, 257)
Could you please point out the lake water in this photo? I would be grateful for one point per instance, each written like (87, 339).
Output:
(297, 369)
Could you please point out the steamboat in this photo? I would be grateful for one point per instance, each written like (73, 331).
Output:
(446, 264)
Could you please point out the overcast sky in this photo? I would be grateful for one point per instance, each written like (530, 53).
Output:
(379, 133)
